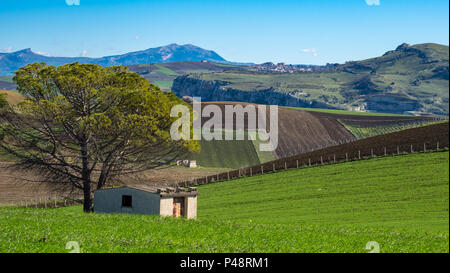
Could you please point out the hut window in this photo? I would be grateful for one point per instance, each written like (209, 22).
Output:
(127, 201)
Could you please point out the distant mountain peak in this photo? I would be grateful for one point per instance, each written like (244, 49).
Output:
(403, 46)
(11, 62)
(26, 50)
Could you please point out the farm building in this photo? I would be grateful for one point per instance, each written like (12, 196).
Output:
(145, 199)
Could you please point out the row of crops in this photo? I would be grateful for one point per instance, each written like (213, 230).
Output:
(361, 132)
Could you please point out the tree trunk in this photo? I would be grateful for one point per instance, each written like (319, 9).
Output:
(87, 204)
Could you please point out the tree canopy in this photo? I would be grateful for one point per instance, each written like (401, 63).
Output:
(86, 126)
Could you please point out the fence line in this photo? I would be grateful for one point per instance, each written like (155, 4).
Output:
(317, 158)
(43, 203)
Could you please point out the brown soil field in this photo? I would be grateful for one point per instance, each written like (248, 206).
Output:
(420, 139)
(301, 131)
(12, 97)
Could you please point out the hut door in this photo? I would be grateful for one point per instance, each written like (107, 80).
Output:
(178, 207)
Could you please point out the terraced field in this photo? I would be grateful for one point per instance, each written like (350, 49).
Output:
(305, 131)
(365, 132)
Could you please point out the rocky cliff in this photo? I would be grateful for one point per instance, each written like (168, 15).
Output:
(218, 91)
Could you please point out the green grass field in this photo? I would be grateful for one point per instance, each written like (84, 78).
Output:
(365, 132)
(233, 154)
(166, 71)
(227, 154)
(399, 202)
(164, 85)
(409, 192)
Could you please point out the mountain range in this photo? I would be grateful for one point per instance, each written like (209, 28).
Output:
(411, 79)
(10, 62)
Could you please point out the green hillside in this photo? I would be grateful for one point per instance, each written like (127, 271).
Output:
(409, 79)
(401, 203)
(226, 154)
(233, 154)
(403, 192)
(163, 74)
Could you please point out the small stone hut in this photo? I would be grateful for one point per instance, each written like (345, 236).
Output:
(143, 199)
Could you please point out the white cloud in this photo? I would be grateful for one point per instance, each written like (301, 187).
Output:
(9, 49)
(84, 53)
(313, 51)
(373, 2)
(43, 53)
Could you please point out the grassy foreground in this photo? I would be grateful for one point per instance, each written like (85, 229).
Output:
(409, 192)
(49, 230)
(399, 202)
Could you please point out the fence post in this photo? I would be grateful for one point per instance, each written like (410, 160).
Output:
(346, 156)
(334, 158)
(285, 165)
(437, 146)
(321, 160)
(297, 163)
(45, 203)
(424, 147)
(309, 159)
(385, 151)
(273, 167)
(412, 151)
(65, 202)
(251, 172)
(398, 150)
(359, 154)
(55, 204)
(262, 169)
(371, 152)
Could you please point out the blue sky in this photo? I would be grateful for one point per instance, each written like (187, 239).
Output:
(292, 31)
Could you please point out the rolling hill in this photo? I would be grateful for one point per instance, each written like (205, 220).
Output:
(412, 79)
(409, 192)
(163, 74)
(300, 131)
(401, 203)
